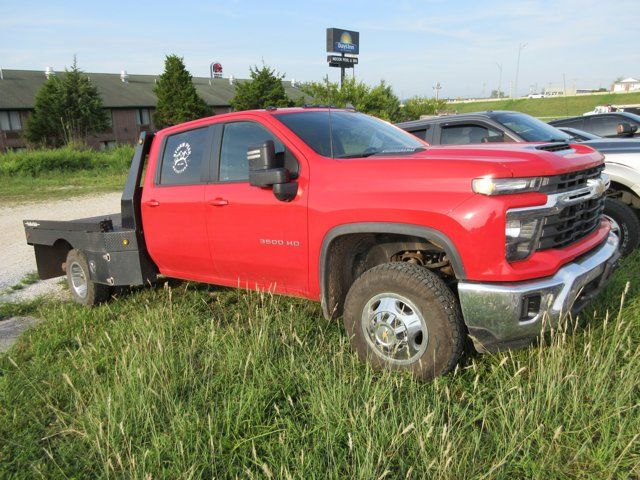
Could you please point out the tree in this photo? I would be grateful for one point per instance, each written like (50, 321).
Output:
(379, 101)
(178, 100)
(417, 106)
(67, 110)
(265, 89)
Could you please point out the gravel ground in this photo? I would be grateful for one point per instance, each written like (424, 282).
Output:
(17, 258)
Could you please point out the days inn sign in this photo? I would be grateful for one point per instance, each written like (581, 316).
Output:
(343, 41)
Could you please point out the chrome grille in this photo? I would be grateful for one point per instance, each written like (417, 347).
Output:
(573, 223)
(572, 180)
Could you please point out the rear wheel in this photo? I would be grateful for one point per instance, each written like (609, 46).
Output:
(625, 223)
(83, 290)
(401, 316)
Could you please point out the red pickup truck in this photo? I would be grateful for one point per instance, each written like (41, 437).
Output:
(417, 247)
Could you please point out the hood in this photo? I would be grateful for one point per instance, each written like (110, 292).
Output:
(521, 159)
(614, 145)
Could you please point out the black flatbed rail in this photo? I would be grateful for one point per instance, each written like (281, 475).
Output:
(113, 244)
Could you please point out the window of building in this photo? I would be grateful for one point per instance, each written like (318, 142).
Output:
(10, 121)
(185, 156)
(236, 140)
(143, 117)
(109, 116)
(107, 145)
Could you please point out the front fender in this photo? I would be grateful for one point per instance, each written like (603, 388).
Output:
(624, 175)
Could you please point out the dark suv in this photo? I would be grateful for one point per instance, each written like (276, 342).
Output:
(613, 124)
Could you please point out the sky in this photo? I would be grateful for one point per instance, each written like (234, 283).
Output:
(409, 44)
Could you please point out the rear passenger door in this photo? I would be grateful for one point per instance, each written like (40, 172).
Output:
(173, 209)
(255, 239)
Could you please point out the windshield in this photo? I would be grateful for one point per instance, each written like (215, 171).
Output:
(340, 134)
(531, 129)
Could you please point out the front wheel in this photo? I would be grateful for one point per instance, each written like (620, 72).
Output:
(401, 316)
(84, 290)
(625, 223)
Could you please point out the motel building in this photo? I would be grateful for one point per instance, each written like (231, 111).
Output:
(129, 99)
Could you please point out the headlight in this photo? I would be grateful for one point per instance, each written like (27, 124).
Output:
(500, 186)
(522, 235)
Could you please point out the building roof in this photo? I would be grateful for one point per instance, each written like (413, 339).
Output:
(18, 89)
(629, 80)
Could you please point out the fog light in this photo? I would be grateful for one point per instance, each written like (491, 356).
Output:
(522, 236)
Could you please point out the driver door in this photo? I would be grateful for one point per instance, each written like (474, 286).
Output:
(256, 241)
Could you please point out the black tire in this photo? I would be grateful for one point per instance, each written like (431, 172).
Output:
(405, 287)
(78, 271)
(628, 225)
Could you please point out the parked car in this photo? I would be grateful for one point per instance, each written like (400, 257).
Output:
(622, 156)
(416, 246)
(612, 125)
(579, 135)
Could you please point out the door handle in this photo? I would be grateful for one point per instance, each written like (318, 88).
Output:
(152, 203)
(218, 202)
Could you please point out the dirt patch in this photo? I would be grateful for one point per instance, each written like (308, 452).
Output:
(17, 258)
(12, 328)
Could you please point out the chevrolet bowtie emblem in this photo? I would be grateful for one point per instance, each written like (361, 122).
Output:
(598, 185)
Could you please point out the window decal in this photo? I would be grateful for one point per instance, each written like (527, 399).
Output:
(181, 157)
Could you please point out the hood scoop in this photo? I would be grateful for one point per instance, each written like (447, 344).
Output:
(554, 147)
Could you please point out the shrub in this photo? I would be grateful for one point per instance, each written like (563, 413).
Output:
(35, 163)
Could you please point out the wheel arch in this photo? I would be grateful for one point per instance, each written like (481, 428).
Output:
(331, 296)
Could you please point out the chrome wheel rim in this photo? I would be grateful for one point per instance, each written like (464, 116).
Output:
(78, 280)
(394, 328)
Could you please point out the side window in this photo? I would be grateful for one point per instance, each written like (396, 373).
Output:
(573, 123)
(236, 140)
(465, 134)
(604, 126)
(185, 155)
(421, 133)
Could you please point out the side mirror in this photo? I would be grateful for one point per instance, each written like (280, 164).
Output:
(264, 172)
(626, 129)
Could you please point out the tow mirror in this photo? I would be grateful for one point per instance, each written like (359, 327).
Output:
(625, 129)
(264, 172)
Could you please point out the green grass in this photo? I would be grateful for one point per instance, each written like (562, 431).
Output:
(196, 381)
(58, 173)
(28, 279)
(549, 108)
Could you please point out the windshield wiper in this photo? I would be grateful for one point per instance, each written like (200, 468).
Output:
(398, 151)
(383, 152)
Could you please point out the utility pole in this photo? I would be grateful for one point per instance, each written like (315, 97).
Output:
(520, 48)
(437, 87)
(499, 65)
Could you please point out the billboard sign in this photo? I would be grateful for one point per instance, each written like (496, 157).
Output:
(344, 62)
(343, 41)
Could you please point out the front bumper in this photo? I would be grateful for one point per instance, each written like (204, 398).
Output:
(494, 312)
